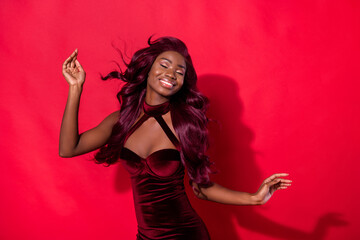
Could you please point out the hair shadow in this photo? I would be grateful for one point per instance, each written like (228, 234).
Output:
(234, 157)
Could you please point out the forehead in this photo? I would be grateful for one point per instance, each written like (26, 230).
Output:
(173, 56)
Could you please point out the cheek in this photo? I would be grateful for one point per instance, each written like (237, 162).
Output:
(152, 75)
(180, 85)
(154, 71)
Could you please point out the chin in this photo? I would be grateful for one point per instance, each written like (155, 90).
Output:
(162, 91)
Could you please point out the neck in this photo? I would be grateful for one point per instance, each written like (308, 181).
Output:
(155, 99)
(156, 110)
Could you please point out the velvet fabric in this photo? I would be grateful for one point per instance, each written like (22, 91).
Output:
(162, 208)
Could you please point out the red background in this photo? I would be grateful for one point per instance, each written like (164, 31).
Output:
(283, 80)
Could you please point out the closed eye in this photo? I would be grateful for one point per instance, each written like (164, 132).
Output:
(164, 66)
(182, 74)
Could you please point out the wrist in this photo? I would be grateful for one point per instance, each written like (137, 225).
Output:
(255, 199)
(76, 89)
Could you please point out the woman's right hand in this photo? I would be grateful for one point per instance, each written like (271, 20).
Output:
(73, 71)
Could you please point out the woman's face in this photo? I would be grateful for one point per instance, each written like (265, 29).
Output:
(166, 75)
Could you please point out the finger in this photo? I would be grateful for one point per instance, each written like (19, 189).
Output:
(279, 182)
(72, 63)
(282, 180)
(273, 182)
(286, 180)
(74, 53)
(283, 186)
(276, 175)
(66, 63)
(78, 65)
(277, 187)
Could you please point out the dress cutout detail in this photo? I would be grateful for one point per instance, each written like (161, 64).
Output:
(162, 208)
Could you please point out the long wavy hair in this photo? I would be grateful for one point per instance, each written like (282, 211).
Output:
(187, 107)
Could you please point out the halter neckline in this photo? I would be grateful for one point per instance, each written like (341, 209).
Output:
(156, 110)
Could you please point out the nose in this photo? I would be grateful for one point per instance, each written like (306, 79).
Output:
(170, 73)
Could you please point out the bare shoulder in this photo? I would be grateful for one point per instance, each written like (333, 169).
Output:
(111, 119)
(115, 115)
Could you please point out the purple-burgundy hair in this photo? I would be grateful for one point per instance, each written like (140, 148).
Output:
(187, 107)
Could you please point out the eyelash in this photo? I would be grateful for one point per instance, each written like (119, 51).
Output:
(176, 72)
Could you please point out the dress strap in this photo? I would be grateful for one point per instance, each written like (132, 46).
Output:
(136, 125)
(156, 111)
(168, 131)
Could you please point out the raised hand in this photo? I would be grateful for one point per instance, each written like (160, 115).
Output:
(270, 185)
(73, 71)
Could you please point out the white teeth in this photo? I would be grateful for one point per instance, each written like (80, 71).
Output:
(166, 82)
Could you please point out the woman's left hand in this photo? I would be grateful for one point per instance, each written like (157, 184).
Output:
(270, 185)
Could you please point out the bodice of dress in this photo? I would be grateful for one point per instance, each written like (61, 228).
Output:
(160, 163)
(162, 208)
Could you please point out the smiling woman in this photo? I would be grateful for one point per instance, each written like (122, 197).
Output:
(159, 131)
(166, 76)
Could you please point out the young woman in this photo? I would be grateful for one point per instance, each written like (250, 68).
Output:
(159, 131)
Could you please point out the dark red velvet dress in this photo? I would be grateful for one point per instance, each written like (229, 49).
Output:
(162, 208)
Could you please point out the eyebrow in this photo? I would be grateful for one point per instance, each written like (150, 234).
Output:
(171, 62)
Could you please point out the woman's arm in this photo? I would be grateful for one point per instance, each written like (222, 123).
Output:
(224, 195)
(72, 143)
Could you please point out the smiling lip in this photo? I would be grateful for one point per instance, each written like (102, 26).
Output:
(166, 83)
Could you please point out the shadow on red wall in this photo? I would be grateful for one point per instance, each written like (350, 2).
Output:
(230, 149)
(234, 158)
